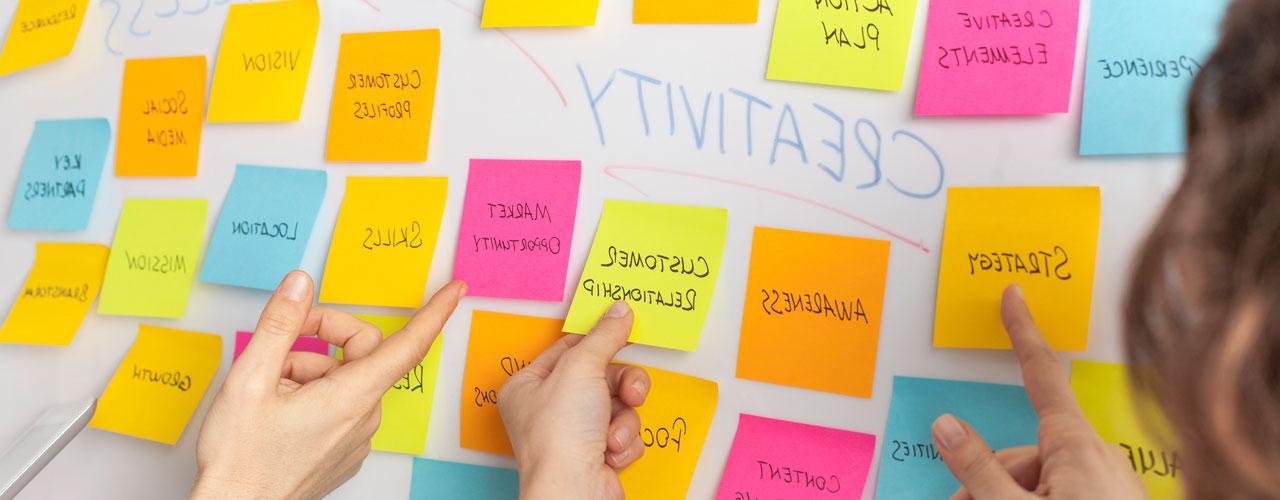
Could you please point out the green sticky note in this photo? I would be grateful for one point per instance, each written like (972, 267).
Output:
(154, 257)
(851, 43)
(406, 406)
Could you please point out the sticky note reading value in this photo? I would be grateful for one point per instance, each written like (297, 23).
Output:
(159, 384)
(695, 11)
(534, 13)
(406, 406)
(263, 61)
(500, 345)
(63, 282)
(780, 459)
(674, 421)
(60, 175)
(1045, 239)
(517, 226)
(440, 480)
(42, 30)
(154, 257)
(850, 44)
(661, 259)
(303, 344)
(161, 117)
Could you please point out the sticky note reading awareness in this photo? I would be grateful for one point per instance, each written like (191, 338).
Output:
(695, 11)
(406, 407)
(674, 421)
(42, 30)
(780, 459)
(303, 344)
(154, 257)
(661, 259)
(536, 13)
(846, 43)
(159, 384)
(263, 61)
(60, 174)
(63, 282)
(1045, 239)
(500, 345)
(440, 480)
(161, 117)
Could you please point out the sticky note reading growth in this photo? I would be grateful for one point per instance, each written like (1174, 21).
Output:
(1045, 239)
(161, 117)
(159, 384)
(695, 11)
(661, 259)
(60, 175)
(42, 30)
(264, 226)
(974, 47)
(910, 467)
(63, 282)
(1135, 424)
(440, 480)
(835, 462)
(517, 226)
(674, 420)
(813, 308)
(303, 344)
(851, 44)
(263, 61)
(533, 13)
(500, 345)
(153, 257)
(406, 407)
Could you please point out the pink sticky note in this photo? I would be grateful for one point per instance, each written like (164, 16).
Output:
(780, 459)
(303, 344)
(998, 57)
(517, 224)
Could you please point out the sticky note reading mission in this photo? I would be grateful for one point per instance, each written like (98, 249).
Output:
(500, 345)
(60, 174)
(779, 459)
(850, 43)
(406, 406)
(674, 422)
(263, 61)
(154, 257)
(161, 117)
(42, 31)
(63, 283)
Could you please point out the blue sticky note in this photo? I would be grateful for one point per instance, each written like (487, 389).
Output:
(264, 226)
(440, 480)
(60, 175)
(910, 467)
(1143, 56)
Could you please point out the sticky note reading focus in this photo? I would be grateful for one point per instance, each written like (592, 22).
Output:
(500, 345)
(263, 61)
(517, 226)
(533, 13)
(154, 257)
(1045, 239)
(768, 456)
(161, 117)
(695, 11)
(42, 30)
(674, 420)
(63, 282)
(303, 344)
(406, 407)
(851, 44)
(661, 259)
(159, 384)
(60, 175)
(440, 480)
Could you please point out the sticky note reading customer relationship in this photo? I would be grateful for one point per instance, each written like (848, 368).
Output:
(42, 30)
(154, 257)
(60, 175)
(850, 44)
(406, 406)
(834, 462)
(263, 61)
(52, 303)
(161, 117)
(675, 419)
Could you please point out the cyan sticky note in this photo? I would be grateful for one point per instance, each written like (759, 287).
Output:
(910, 467)
(60, 175)
(440, 480)
(264, 226)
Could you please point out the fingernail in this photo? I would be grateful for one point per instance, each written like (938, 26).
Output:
(948, 431)
(638, 386)
(618, 309)
(1017, 292)
(618, 438)
(462, 290)
(620, 456)
(294, 287)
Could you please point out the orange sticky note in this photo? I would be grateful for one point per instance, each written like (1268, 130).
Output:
(695, 11)
(501, 344)
(674, 422)
(161, 117)
(53, 302)
(813, 309)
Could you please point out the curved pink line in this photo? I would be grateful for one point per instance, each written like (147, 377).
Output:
(545, 74)
(373, 5)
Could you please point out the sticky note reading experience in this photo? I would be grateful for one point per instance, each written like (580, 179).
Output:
(303, 344)
(500, 345)
(835, 462)
(153, 257)
(42, 30)
(850, 44)
(535, 13)
(695, 11)
(440, 480)
(161, 117)
(674, 420)
(63, 283)
(263, 61)
(406, 407)
(60, 174)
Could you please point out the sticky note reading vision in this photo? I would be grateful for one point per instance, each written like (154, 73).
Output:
(42, 30)
(850, 44)
(695, 11)
(440, 480)
(674, 421)
(406, 407)
(161, 117)
(780, 459)
(263, 61)
(303, 344)
(60, 174)
(534, 13)
(63, 282)
(153, 257)
(1045, 239)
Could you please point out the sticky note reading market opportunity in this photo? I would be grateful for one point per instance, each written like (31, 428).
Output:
(441, 480)
(406, 407)
(780, 459)
(42, 30)
(154, 257)
(161, 117)
(263, 61)
(63, 283)
(674, 420)
(535, 13)
(850, 44)
(695, 11)
(60, 174)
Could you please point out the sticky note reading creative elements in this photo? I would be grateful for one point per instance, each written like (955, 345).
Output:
(264, 226)
(161, 117)
(534, 13)
(303, 344)
(661, 259)
(780, 459)
(440, 480)
(674, 421)
(42, 30)
(263, 61)
(63, 282)
(159, 384)
(851, 43)
(154, 257)
(695, 11)
(500, 345)
(517, 226)
(60, 175)
(1045, 239)
(406, 407)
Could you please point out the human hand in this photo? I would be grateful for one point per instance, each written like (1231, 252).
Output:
(298, 424)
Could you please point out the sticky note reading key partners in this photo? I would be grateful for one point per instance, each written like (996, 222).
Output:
(154, 257)
(161, 117)
(780, 459)
(42, 30)
(63, 282)
(406, 406)
(674, 422)
(851, 43)
(60, 174)
(263, 61)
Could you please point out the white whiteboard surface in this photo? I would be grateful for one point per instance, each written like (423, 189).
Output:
(493, 101)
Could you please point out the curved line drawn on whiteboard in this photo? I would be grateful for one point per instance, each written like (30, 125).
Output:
(137, 13)
(612, 171)
(545, 74)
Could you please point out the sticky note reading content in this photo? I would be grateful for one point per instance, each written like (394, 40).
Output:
(60, 175)
(161, 117)
(440, 480)
(263, 61)
(303, 344)
(153, 257)
(695, 11)
(851, 44)
(63, 282)
(1045, 239)
(533, 13)
(406, 407)
(834, 462)
(674, 421)
(42, 30)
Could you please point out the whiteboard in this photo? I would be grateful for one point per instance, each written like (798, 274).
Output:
(500, 96)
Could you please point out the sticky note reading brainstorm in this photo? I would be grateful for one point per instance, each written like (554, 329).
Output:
(440, 480)
(1044, 239)
(161, 117)
(661, 259)
(850, 43)
(780, 459)
(695, 11)
(500, 345)
(406, 406)
(159, 384)
(42, 30)
(63, 282)
(153, 257)
(674, 420)
(60, 175)
(263, 61)
(303, 344)
(532, 13)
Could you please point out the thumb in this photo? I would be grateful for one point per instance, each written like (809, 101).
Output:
(602, 343)
(277, 329)
(971, 460)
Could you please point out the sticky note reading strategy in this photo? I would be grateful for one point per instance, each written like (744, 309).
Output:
(695, 11)
(42, 30)
(303, 344)
(661, 259)
(63, 282)
(263, 61)
(153, 257)
(851, 43)
(161, 117)
(60, 175)
(406, 407)
(533, 13)
(440, 480)
(500, 345)
(674, 423)
(780, 459)
(1045, 239)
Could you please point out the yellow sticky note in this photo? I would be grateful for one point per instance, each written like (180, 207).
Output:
(63, 282)
(42, 30)
(154, 257)
(695, 11)
(661, 259)
(500, 345)
(263, 61)
(1134, 423)
(674, 421)
(159, 384)
(406, 406)
(383, 96)
(1045, 239)
(517, 13)
(161, 117)
(847, 43)
(384, 240)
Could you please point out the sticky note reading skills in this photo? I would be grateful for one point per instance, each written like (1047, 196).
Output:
(60, 174)
(154, 257)
(851, 43)
(161, 117)
(57, 295)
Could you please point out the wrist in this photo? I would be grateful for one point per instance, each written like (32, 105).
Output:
(552, 479)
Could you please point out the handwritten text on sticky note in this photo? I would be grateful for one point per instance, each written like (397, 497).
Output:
(500, 345)
(406, 406)
(847, 43)
(42, 30)
(440, 480)
(154, 257)
(674, 420)
(780, 459)
(161, 117)
(263, 61)
(63, 282)
(60, 174)
(532, 13)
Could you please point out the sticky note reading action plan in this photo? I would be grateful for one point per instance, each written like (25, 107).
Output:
(63, 282)
(440, 480)
(533, 13)
(780, 459)
(42, 30)
(60, 174)
(851, 43)
(161, 117)
(674, 422)
(263, 61)
(406, 406)
(154, 257)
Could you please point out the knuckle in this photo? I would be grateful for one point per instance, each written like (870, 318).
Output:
(974, 465)
(276, 322)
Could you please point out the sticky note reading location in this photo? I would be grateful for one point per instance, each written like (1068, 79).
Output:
(303, 344)
(263, 61)
(910, 467)
(661, 259)
(674, 420)
(63, 282)
(264, 226)
(42, 30)
(695, 11)
(517, 226)
(406, 407)
(60, 175)
(533, 13)
(440, 480)
(161, 117)
(1045, 239)
(159, 384)
(768, 456)
(850, 44)
(153, 257)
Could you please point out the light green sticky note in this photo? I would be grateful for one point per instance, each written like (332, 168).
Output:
(851, 43)
(661, 259)
(406, 406)
(154, 257)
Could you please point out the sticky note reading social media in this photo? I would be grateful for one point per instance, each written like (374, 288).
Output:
(406, 406)
(154, 257)
(42, 30)
(60, 174)
(850, 44)
(780, 459)
(63, 282)
(533, 13)
(263, 61)
(161, 117)
(695, 11)
(675, 419)
(440, 480)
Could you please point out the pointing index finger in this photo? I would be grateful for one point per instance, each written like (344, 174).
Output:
(1046, 380)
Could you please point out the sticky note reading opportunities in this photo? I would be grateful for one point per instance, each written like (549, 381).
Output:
(695, 11)
(263, 61)
(406, 407)
(42, 30)
(534, 13)
(63, 282)
(153, 257)
(674, 420)
(60, 175)
(1044, 239)
(303, 344)
(161, 117)
(440, 480)
(780, 459)
(850, 43)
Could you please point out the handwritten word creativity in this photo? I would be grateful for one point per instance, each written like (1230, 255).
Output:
(1037, 262)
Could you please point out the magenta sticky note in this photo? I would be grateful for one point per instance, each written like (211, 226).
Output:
(303, 344)
(779, 459)
(998, 57)
(517, 225)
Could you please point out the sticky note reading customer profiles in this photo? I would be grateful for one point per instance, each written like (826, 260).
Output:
(63, 283)
(406, 406)
(674, 421)
(60, 174)
(440, 480)
(303, 344)
(161, 117)
(159, 384)
(661, 259)
(263, 61)
(780, 459)
(154, 257)
(851, 44)
(695, 11)
(534, 13)
(42, 30)
(1045, 239)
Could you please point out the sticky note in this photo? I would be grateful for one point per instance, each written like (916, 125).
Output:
(161, 117)
(695, 11)
(63, 283)
(780, 459)
(1045, 239)
(674, 421)
(517, 227)
(383, 96)
(159, 384)
(42, 30)
(154, 257)
(845, 43)
(813, 309)
(384, 240)
(264, 226)
(406, 406)
(998, 57)
(1136, 81)
(263, 61)
(440, 480)
(534, 13)
(60, 174)
(910, 467)
(661, 259)
(500, 345)
(303, 344)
